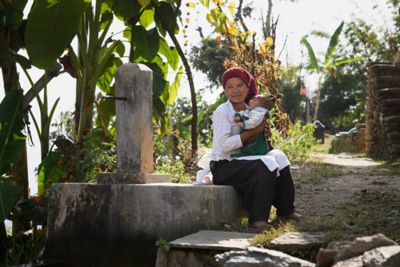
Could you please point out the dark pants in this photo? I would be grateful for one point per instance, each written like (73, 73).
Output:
(258, 187)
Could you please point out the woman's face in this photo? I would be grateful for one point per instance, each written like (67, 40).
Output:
(236, 90)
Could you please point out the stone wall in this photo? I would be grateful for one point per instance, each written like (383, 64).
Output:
(352, 141)
(382, 112)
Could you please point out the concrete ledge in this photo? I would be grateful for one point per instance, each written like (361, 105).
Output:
(119, 224)
(132, 178)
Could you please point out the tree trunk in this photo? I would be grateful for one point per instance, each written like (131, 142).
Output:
(20, 224)
(192, 92)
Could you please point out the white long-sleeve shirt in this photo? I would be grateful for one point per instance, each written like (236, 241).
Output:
(226, 132)
(226, 140)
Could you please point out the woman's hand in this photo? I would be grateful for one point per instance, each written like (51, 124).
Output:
(250, 133)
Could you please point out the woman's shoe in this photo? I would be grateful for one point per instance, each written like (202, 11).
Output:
(260, 226)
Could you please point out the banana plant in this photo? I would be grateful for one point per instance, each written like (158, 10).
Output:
(328, 65)
(12, 145)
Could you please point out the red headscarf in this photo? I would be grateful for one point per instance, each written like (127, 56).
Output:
(245, 76)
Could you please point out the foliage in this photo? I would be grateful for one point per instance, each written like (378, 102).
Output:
(12, 143)
(328, 65)
(24, 248)
(164, 244)
(209, 58)
(174, 167)
(297, 143)
(12, 140)
(342, 101)
(69, 162)
(247, 51)
(12, 29)
(290, 83)
(47, 34)
(175, 141)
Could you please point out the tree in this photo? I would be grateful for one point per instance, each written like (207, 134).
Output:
(328, 65)
(342, 100)
(290, 83)
(347, 95)
(209, 58)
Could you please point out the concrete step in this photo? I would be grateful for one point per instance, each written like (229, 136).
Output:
(199, 249)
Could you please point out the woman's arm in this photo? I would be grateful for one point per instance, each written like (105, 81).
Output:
(250, 133)
(224, 139)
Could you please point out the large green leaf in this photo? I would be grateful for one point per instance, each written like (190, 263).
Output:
(147, 18)
(166, 16)
(146, 43)
(9, 195)
(126, 9)
(170, 92)
(313, 62)
(107, 60)
(170, 52)
(333, 42)
(105, 113)
(51, 27)
(342, 61)
(159, 81)
(12, 141)
(105, 80)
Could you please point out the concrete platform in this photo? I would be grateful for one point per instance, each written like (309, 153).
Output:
(119, 224)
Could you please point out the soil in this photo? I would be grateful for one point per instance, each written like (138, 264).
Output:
(351, 175)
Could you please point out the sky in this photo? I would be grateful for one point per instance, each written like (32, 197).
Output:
(296, 19)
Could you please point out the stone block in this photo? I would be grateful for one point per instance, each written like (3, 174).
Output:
(119, 224)
(199, 249)
(254, 256)
(298, 241)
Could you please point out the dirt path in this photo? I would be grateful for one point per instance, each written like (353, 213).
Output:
(350, 175)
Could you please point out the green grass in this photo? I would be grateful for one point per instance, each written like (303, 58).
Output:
(366, 214)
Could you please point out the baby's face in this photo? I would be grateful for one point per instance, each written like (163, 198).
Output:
(254, 102)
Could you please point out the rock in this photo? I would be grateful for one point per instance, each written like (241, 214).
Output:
(294, 241)
(254, 256)
(362, 244)
(343, 250)
(388, 256)
(326, 256)
(352, 262)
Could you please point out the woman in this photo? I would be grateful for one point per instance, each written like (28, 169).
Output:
(253, 177)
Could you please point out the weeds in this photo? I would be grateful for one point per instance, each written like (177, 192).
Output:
(176, 168)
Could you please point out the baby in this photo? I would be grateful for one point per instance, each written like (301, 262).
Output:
(258, 108)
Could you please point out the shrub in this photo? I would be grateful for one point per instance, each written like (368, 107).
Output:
(298, 142)
(174, 167)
